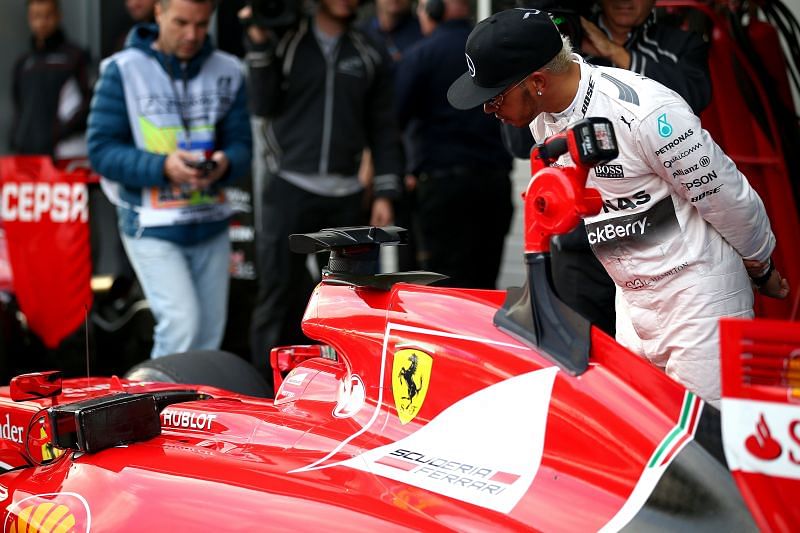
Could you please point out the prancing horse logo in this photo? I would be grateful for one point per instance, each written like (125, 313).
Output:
(411, 371)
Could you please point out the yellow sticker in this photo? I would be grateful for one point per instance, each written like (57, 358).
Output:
(411, 375)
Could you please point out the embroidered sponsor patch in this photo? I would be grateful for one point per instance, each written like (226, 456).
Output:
(609, 171)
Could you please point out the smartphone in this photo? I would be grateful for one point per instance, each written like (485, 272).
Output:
(206, 165)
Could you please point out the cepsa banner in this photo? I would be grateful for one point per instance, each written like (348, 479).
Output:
(45, 213)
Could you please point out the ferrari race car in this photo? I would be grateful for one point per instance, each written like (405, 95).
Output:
(422, 408)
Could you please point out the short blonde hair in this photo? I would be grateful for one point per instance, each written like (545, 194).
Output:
(562, 60)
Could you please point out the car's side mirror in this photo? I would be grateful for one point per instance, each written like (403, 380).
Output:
(35, 386)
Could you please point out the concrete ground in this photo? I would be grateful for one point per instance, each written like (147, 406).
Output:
(512, 270)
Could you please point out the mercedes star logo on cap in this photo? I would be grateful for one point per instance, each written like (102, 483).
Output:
(470, 66)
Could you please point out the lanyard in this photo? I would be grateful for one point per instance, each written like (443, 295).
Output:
(179, 100)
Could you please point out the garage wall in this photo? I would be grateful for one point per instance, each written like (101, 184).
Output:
(96, 25)
(14, 37)
(81, 23)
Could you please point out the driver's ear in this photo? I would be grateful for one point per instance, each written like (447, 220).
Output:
(538, 80)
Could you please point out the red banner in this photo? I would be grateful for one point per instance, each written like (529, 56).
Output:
(45, 212)
(761, 416)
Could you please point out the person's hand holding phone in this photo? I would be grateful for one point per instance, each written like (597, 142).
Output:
(213, 169)
(179, 172)
(183, 168)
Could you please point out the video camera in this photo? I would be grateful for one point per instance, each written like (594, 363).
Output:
(566, 15)
(275, 14)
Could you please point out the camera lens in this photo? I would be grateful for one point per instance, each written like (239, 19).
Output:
(268, 8)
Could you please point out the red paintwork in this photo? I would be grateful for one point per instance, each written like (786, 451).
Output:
(45, 217)
(6, 277)
(307, 459)
(760, 156)
(239, 471)
(761, 374)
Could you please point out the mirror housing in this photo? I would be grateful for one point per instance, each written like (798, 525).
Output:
(36, 385)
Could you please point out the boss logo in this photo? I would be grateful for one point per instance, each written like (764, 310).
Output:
(609, 171)
(588, 97)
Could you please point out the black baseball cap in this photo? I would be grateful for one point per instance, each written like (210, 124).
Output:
(501, 50)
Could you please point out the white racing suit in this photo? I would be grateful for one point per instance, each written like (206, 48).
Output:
(677, 220)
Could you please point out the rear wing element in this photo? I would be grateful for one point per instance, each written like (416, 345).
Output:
(761, 417)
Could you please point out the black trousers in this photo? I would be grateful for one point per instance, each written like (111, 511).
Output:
(581, 281)
(284, 281)
(462, 217)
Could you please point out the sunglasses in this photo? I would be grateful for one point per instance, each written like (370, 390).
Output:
(496, 101)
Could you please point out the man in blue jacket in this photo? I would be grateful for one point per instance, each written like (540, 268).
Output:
(168, 125)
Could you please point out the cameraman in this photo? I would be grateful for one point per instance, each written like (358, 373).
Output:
(326, 92)
(626, 34)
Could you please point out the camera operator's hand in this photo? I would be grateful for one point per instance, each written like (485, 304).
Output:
(255, 33)
(596, 43)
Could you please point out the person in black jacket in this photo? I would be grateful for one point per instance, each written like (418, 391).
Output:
(326, 92)
(394, 25)
(624, 34)
(461, 170)
(50, 89)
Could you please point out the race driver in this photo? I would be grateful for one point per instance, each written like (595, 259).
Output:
(680, 228)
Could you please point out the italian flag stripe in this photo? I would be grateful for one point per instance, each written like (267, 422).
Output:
(690, 413)
(694, 418)
(665, 452)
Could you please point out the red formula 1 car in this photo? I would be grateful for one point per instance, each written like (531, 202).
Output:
(422, 408)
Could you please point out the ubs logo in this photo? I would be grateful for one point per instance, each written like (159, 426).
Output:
(412, 371)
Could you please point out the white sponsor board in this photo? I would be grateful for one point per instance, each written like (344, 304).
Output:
(478, 450)
(762, 437)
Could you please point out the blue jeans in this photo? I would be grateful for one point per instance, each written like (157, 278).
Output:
(186, 288)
